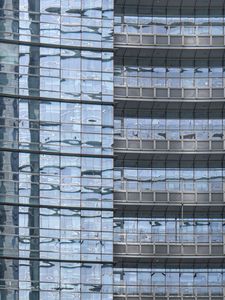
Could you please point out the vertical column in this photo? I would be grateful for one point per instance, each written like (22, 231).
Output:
(8, 160)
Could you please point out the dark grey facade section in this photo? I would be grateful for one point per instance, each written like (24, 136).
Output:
(169, 150)
(56, 159)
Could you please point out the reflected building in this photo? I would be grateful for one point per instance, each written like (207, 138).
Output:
(56, 135)
(112, 150)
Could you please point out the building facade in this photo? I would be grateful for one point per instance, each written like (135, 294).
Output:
(57, 156)
(112, 149)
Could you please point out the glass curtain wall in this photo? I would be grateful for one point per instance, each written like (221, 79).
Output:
(170, 73)
(171, 176)
(169, 86)
(204, 124)
(190, 21)
(147, 280)
(56, 161)
(192, 228)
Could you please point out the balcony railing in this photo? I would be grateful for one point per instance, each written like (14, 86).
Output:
(140, 38)
(167, 292)
(171, 198)
(144, 144)
(179, 27)
(168, 249)
(168, 79)
(168, 93)
(167, 237)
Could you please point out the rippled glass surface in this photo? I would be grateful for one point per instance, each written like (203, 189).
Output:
(67, 23)
(173, 281)
(169, 24)
(56, 180)
(56, 160)
(176, 230)
(170, 75)
(63, 234)
(171, 124)
(56, 73)
(49, 126)
(56, 280)
(171, 176)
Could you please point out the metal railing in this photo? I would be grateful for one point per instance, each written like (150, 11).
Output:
(154, 144)
(169, 238)
(159, 39)
(178, 30)
(168, 290)
(165, 80)
(173, 93)
(169, 249)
